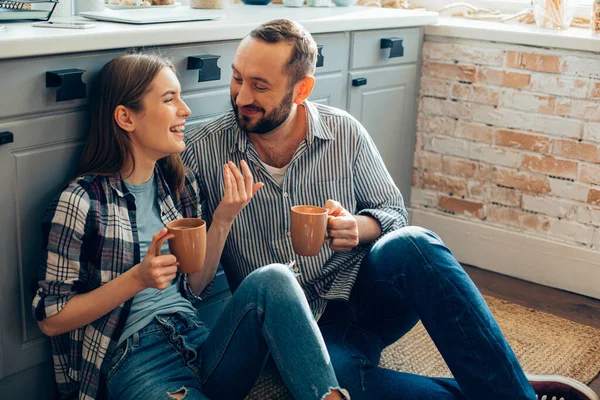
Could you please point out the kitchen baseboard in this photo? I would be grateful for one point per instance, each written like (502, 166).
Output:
(516, 254)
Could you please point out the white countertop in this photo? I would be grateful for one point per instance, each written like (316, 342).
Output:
(527, 34)
(20, 39)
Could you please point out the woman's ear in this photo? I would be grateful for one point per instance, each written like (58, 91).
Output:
(304, 88)
(124, 118)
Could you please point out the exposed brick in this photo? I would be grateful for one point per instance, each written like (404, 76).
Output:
(425, 160)
(549, 206)
(591, 132)
(447, 108)
(459, 167)
(494, 155)
(588, 215)
(579, 109)
(578, 150)
(451, 72)
(571, 231)
(415, 179)
(518, 218)
(533, 62)
(568, 190)
(507, 118)
(594, 196)
(520, 180)
(558, 85)
(444, 183)
(449, 146)
(474, 131)
(515, 80)
(463, 53)
(506, 196)
(594, 90)
(434, 87)
(484, 172)
(524, 141)
(420, 197)
(436, 124)
(589, 174)
(477, 189)
(550, 166)
(476, 93)
(461, 207)
(580, 66)
(528, 102)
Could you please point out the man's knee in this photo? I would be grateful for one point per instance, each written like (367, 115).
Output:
(404, 239)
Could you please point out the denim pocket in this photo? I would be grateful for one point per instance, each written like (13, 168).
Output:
(118, 358)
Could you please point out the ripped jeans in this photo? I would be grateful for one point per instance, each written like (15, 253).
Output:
(176, 356)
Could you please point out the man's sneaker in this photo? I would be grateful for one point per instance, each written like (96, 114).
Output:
(556, 387)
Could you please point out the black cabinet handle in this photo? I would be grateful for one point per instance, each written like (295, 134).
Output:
(359, 81)
(207, 66)
(395, 45)
(69, 84)
(320, 56)
(6, 137)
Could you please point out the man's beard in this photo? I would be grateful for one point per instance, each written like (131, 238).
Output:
(270, 121)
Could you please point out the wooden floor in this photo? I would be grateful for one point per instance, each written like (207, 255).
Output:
(580, 309)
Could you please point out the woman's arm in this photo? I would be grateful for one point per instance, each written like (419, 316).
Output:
(83, 309)
(239, 190)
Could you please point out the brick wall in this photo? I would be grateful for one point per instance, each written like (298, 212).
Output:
(510, 136)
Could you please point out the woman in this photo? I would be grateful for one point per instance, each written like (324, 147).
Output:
(121, 319)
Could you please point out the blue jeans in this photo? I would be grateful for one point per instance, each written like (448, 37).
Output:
(409, 275)
(177, 354)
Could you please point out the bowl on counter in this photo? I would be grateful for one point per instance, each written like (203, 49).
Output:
(344, 3)
(256, 2)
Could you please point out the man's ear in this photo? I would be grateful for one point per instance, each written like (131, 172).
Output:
(124, 118)
(304, 88)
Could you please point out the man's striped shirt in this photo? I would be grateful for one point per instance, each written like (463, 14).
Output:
(337, 160)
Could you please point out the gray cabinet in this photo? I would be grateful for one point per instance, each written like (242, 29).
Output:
(48, 137)
(382, 95)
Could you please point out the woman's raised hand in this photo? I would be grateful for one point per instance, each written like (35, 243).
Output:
(156, 271)
(239, 190)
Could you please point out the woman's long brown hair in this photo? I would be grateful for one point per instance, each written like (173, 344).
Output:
(123, 81)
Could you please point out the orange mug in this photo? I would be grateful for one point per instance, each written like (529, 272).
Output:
(187, 242)
(308, 227)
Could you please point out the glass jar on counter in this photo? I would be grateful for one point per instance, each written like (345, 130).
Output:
(595, 18)
(554, 14)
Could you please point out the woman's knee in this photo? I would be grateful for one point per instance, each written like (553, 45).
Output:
(276, 276)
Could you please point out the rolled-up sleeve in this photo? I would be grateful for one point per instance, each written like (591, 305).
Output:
(63, 231)
(376, 194)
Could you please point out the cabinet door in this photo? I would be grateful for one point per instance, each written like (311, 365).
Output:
(386, 104)
(42, 157)
(330, 90)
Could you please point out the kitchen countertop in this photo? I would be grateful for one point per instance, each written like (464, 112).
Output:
(20, 39)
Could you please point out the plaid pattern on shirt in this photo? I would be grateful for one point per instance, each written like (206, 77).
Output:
(90, 238)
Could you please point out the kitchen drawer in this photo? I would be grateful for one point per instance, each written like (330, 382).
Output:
(208, 104)
(334, 49)
(23, 82)
(213, 64)
(367, 51)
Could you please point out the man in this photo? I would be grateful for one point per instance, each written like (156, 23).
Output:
(378, 276)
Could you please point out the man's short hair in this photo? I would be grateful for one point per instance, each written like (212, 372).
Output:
(304, 54)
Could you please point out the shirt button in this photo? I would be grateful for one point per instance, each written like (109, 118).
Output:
(296, 269)
(285, 194)
(289, 234)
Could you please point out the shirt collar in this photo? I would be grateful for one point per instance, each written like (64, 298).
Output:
(314, 129)
(116, 183)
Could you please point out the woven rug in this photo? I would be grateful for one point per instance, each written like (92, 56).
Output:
(544, 344)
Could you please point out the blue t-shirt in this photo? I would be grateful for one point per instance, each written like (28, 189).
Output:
(151, 302)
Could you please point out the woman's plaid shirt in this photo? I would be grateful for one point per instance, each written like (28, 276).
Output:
(90, 238)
